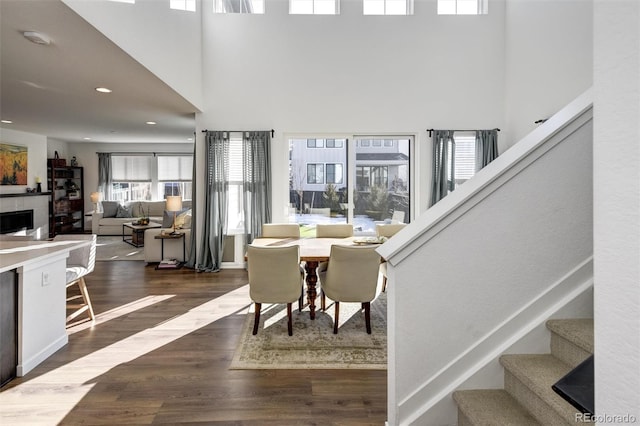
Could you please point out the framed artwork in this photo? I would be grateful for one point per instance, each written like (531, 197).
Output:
(13, 164)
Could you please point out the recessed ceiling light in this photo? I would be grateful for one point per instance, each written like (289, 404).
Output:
(37, 38)
(87, 139)
(6, 121)
(103, 90)
(151, 122)
(189, 139)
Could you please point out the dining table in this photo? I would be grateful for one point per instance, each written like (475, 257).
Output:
(313, 251)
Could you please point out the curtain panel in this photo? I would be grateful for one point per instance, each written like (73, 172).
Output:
(486, 147)
(104, 175)
(256, 163)
(191, 262)
(443, 165)
(216, 193)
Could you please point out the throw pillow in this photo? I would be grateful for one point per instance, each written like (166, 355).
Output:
(123, 212)
(183, 219)
(167, 218)
(110, 208)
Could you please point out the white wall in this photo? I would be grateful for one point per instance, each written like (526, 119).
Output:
(37, 154)
(549, 54)
(617, 208)
(351, 73)
(166, 41)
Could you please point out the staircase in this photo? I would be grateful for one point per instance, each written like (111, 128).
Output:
(527, 397)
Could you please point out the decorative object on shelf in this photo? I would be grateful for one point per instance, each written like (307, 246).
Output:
(74, 162)
(174, 204)
(56, 161)
(38, 184)
(13, 164)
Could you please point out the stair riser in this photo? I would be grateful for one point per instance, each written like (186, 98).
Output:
(567, 351)
(529, 400)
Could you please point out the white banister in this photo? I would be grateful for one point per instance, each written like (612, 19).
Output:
(487, 264)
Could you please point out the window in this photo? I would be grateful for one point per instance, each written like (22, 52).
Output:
(464, 156)
(149, 177)
(315, 143)
(387, 7)
(360, 182)
(314, 7)
(315, 173)
(188, 5)
(334, 173)
(235, 210)
(238, 6)
(462, 7)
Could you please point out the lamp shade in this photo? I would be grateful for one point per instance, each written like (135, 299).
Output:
(174, 203)
(95, 197)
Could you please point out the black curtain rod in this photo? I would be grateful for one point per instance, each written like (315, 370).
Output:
(458, 130)
(273, 132)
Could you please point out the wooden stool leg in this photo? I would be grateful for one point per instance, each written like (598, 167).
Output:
(256, 319)
(335, 324)
(85, 296)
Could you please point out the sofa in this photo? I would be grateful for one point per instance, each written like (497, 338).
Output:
(113, 214)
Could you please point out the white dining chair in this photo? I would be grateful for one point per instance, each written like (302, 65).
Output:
(80, 263)
(334, 230)
(280, 230)
(388, 231)
(351, 276)
(274, 277)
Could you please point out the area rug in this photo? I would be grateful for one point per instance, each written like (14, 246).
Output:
(113, 248)
(313, 344)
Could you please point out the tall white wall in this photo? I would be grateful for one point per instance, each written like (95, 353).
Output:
(351, 74)
(165, 41)
(617, 208)
(548, 60)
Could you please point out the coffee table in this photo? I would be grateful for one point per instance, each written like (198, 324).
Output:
(137, 233)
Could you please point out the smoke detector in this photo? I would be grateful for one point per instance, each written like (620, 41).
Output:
(36, 37)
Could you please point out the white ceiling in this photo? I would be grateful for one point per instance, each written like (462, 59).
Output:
(50, 90)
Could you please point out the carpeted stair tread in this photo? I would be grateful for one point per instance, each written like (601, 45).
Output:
(538, 373)
(577, 331)
(490, 407)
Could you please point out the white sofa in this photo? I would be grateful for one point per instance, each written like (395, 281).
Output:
(172, 248)
(101, 225)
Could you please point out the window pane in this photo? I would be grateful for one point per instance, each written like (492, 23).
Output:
(188, 5)
(467, 7)
(382, 181)
(238, 6)
(129, 191)
(175, 167)
(302, 7)
(373, 7)
(325, 7)
(396, 7)
(446, 7)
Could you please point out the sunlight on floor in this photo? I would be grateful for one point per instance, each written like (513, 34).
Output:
(55, 401)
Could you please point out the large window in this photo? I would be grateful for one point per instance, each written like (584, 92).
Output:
(188, 5)
(235, 211)
(314, 7)
(387, 7)
(238, 6)
(462, 7)
(150, 177)
(362, 180)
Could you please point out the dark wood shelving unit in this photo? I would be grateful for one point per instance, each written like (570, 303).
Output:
(66, 206)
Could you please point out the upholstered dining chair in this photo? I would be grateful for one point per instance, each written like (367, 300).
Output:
(274, 277)
(280, 230)
(80, 263)
(351, 276)
(388, 231)
(334, 230)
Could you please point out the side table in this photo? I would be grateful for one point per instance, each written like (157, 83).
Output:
(171, 236)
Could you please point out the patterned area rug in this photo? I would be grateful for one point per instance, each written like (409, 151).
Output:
(313, 344)
(113, 248)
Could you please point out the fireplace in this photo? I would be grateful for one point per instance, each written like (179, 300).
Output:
(16, 221)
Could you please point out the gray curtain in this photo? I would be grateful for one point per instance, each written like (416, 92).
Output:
(443, 165)
(256, 155)
(216, 194)
(104, 175)
(486, 147)
(191, 262)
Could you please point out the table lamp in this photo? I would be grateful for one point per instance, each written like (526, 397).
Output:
(174, 204)
(95, 199)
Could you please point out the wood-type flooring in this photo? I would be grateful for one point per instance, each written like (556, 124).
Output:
(159, 353)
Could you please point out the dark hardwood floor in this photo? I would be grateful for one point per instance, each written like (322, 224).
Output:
(159, 354)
